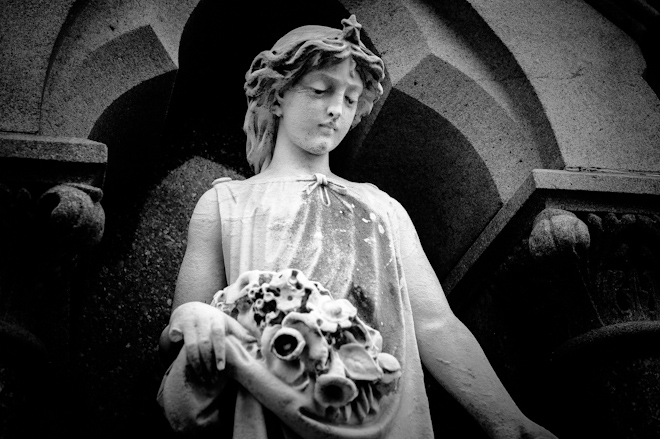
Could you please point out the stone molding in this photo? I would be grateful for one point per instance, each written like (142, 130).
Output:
(50, 193)
(43, 160)
(576, 191)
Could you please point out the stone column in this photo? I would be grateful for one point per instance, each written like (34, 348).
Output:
(563, 291)
(50, 214)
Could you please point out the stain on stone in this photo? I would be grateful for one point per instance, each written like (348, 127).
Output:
(364, 304)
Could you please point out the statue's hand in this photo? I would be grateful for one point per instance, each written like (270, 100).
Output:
(203, 329)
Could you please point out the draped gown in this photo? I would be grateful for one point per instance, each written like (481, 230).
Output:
(347, 237)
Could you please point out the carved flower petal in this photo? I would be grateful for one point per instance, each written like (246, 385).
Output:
(318, 349)
(365, 335)
(316, 300)
(245, 282)
(333, 313)
(390, 366)
(290, 285)
(339, 309)
(358, 363)
(334, 390)
(287, 344)
(323, 324)
(307, 319)
(292, 372)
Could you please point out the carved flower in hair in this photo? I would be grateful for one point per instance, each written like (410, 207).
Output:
(351, 31)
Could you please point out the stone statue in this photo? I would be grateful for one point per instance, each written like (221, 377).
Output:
(305, 303)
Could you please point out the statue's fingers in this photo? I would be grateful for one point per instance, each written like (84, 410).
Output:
(218, 338)
(239, 331)
(206, 354)
(175, 334)
(192, 351)
(179, 323)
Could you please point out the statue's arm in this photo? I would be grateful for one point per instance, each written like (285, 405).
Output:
(194, 339)
(452, 354)
(202, 271)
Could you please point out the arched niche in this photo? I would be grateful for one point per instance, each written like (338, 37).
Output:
(103, 50)
(111, 77)
(478, 124)
(443, 59)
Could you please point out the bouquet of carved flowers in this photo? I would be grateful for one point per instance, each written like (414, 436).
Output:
(308, 338)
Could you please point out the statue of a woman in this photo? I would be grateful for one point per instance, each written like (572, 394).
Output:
(353, 239)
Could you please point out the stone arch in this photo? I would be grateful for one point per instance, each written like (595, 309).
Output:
(588, 76)
(28, 31)
(103, 50)
(480, 127)
(471, 82)
(446, 59)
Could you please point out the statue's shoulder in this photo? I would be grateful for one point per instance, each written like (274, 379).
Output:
(371, 189)
(221, 180)
(228, 183)
(382, 198)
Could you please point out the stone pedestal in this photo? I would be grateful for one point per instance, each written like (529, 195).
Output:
(562, 289)
(50, 190)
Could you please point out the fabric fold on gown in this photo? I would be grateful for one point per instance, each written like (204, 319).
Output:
(345, 236)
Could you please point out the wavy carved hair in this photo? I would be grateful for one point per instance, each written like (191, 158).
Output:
(298, 52)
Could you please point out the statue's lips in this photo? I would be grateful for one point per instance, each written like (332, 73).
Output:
(329, 125)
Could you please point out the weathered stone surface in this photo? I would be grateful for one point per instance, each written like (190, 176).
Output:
(104, 75)
(35, 69)
(43, 160)
(469, 78)
(64, 149)
(558, 233)
(640, 20)
(588, 75)
(570, 190)
(28, 30)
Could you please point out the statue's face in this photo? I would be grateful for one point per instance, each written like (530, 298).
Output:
(317, 112)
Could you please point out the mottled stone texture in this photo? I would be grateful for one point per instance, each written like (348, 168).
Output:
(28, 30)
(478, 96)
(588, 75)
(43, 160)
(63, 64)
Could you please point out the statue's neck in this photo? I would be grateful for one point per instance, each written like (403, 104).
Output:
(296, 161)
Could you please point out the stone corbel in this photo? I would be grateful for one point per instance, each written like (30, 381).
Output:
(562, 290)
(608, 352)
(50, 214)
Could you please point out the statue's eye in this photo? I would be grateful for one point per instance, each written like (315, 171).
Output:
(350, 100)
(318, 91)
